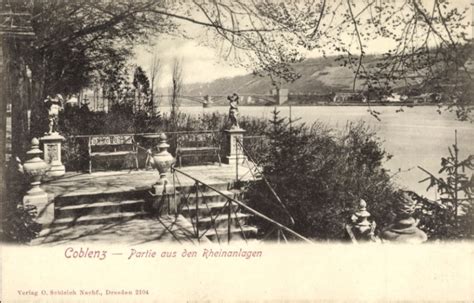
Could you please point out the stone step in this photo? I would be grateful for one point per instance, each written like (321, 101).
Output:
(206, 196)
(222, 186)
(100, 219)
(221, 221)
(206, 209)
(89, 198)
(250, 232)
(185, 228)
(78, 210)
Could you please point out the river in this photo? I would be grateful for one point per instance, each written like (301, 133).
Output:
(416, 136)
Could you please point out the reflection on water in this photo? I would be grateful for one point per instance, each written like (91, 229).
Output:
(416, 136)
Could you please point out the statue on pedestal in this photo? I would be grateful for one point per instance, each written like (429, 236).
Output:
(54, 105)
(233, 110)
(52, 140)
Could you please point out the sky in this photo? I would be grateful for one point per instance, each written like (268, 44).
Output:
(200, 63)
(203, 64)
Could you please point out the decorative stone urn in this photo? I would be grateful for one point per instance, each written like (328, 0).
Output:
(162, 160)
(360, 229)
(34, 169)
(404, 229)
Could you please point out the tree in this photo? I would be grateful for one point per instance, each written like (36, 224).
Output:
(155, 67)
(176, 88)
(142, 89)
(450, 217)
(112, 78)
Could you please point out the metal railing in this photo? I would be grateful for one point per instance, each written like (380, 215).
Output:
(231, 209)
(257, 173)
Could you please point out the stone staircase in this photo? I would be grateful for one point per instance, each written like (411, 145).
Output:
(208, 212)
(100, 208)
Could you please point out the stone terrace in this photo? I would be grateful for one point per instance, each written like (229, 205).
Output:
(73, 183)
(133, 231)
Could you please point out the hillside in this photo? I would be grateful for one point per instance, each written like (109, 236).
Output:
(318, 76)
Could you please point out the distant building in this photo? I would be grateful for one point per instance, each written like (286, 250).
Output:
(343, 97)
(426, 98)
(396, 98)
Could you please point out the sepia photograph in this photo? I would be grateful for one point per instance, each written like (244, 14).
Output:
(147, 144)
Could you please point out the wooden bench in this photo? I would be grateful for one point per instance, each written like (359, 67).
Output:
(197, 144)
(102, 146)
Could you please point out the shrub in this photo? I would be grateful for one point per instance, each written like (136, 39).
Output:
(19, 225)
(320, 175)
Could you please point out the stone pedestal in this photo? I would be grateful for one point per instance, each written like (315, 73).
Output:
(404, 229)
(44, 207)
(163, 197)
(36, 196)
(52, 154)
(234, 150)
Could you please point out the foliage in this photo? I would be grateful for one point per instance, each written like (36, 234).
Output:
(113, 79)
(141, 83)
(17, 220)
(451, 217)
(19, 226)
(319, 175)
(77, 38)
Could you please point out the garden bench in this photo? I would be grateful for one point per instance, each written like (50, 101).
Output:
(103, 146)
(197, 144)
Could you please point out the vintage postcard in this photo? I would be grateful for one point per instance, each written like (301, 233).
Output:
(240, 150)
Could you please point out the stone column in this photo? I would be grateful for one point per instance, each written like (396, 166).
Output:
(404, 229)
(234, 150)
(52, 154)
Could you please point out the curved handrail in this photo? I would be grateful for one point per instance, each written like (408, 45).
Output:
(251, 210)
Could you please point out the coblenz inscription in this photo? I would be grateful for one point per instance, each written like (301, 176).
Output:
(71, 252)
